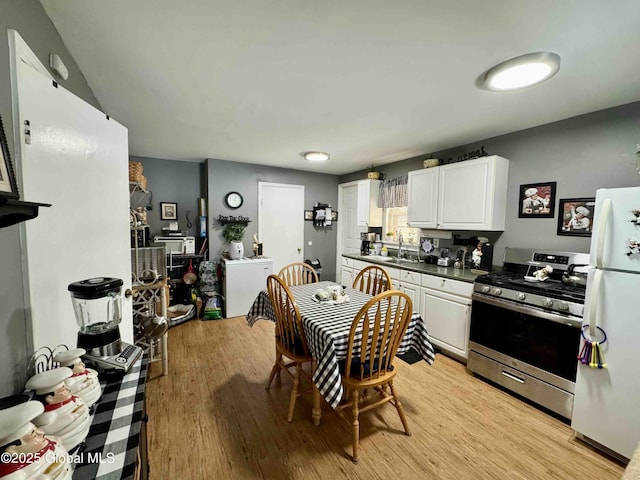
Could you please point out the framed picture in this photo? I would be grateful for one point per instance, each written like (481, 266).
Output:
(8, 185)
(576, 216)
(168, 211)
(334, 215)
(537, 200)
(308, 214)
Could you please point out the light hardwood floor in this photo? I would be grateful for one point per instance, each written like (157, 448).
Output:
(211, 418)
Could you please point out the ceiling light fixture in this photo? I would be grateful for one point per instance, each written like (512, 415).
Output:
(316, 156)
(523, 71)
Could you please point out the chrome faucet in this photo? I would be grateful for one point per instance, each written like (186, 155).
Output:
(399, 245)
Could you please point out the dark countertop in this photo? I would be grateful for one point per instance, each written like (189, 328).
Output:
(446, 272)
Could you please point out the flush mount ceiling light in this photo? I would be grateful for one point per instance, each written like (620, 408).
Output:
(316, 156)
(521, 72)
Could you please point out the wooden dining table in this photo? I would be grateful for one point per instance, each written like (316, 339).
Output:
(326, 326)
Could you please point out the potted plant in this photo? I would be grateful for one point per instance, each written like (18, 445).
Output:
(233, 234)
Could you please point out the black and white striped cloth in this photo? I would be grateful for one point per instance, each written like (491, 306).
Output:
(112, 443)
(326, 327)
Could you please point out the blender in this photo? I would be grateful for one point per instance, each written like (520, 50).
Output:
(97, 305)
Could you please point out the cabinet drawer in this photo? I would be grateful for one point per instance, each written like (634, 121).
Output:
(407, 276)
(347, 262)
(359, 265)
(394, 273)
(447, 285)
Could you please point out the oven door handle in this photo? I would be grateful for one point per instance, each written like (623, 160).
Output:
(528, 310)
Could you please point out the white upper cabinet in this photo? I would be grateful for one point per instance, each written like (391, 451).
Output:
(358, 207)
(471, 195)
(422, 190)
(369, 215)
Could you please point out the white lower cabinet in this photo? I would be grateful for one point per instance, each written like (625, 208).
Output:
(445, 306)
(409, 283)
(345, 273)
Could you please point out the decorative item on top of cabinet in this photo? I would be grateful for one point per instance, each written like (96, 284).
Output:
(477, 153)
(374, 174)
(430, 162)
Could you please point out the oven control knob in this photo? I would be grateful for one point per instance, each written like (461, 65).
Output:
(547, 302)
(497, 291)
(521, 296)
(564, 306)
(486, 289)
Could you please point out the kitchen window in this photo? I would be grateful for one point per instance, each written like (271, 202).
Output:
(395, 222)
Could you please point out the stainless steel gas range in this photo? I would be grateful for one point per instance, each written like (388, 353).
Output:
(525, 333)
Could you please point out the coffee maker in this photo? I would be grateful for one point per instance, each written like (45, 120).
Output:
(97, 305)
(366, 243)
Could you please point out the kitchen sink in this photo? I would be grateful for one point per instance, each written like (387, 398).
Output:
(378, 258)
(404, 260)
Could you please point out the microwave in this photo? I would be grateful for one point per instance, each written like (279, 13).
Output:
(179, 245)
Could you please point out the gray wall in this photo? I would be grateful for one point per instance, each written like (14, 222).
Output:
(225, 176)
(581, 154)
(29, 19)
(176, 182)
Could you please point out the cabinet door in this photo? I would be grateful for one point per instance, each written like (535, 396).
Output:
(422, 190)
(472, 194)
(413, 291)
(369, 215)
(447, 320)
(346, 276)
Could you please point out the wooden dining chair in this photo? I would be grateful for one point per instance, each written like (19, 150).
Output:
(373, 280)
(290, 339)
(298, 274)
(374, 338)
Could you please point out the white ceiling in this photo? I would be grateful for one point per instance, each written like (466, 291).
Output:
(369, 81)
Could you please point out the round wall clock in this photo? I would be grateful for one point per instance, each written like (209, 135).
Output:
(233, 200)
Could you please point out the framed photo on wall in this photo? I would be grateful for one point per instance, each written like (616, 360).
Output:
(537, 200)
(576, 216)
(168, 211)
(8, 185)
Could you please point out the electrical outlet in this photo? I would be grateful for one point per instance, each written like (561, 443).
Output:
(436, 243)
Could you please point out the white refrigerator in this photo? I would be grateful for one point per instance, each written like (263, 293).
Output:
(607, 401)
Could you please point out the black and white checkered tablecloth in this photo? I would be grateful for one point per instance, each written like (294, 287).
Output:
(326, 327)
(112, 443)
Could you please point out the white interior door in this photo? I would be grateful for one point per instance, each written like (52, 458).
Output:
(77, 160)
(281, 222)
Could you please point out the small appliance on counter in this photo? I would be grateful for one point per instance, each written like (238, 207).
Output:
(97, 305)
(445, 260)
(367, 243)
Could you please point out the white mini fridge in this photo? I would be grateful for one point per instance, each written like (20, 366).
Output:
(243, 280)
(606, 408)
